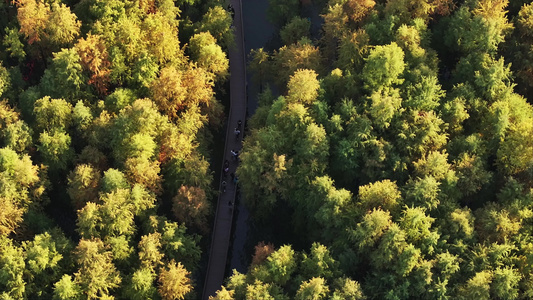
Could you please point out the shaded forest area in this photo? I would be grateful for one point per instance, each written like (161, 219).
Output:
(108, 114)
(398, 161)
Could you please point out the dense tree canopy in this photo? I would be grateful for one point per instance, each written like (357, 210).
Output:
(390, 155)
(398, 150)
(107, 113)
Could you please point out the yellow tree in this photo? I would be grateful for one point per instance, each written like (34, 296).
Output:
(301, 55)
(191, 207)
(357, 10)
(51, 23)
(18, 177)
(303, 87)
(314, 289)
(162, 40)
(97, 275)
(168, 92)
(33, 16)
(174, 282)
(94, 58)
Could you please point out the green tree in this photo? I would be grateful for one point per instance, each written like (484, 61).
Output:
(65, 76)
(83, 183)
(45, 260)
(175, 243)
(384, 67)
(472, 173)
(217, 21)
(19, 179)
(141, 285)
(278, 267)
(384, 105)
(280, 12)
(319, 263)
(4, 85)
(18, 136)
(424, 95)
(479, 29)
(67, 289)
(52, 114)
(351, 51)
(12, 267)
(477, 287)
(454, 113)
(223, 294)
(372, 227)
(417, 226)
(515, 151)
(296, 29)
(423, 192)
(259, 290)
(357, 151)
(331, 208)
(420, 133)
(381, 194)
(63, 26)
(208, 55)
(505, 283)
(259, 65)
(13, 45)
(347, 289)
(55, 149)
(112, 218)
(82, 117)
(113, 180)
(119, 99)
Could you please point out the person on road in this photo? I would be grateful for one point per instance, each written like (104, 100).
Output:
(235, 154)
(226, 168)
(232, 11)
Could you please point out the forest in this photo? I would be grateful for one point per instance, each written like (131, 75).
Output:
(390, 156)
(107, 115)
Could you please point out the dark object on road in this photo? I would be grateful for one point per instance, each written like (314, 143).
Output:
(232, 11)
